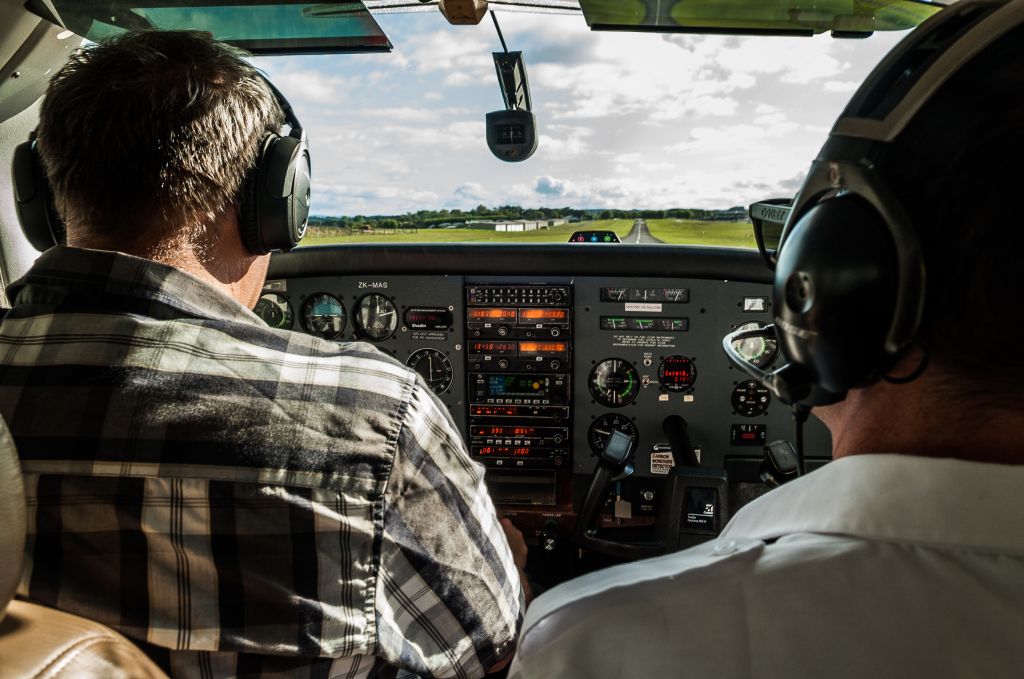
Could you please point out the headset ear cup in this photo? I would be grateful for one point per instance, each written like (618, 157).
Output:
(274, 197)
(836, 285)
(40, 221)
(285, 206)
(249, 202)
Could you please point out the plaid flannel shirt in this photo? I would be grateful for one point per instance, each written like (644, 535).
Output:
(243, 501)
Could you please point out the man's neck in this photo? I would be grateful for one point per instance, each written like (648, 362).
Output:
(241, 278)
(923, 418)
(225, 264)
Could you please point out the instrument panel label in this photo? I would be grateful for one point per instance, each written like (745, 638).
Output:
(662, 463)
(654, 341)
(646, 307)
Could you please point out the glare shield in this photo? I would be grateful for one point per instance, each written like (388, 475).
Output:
(282, 27)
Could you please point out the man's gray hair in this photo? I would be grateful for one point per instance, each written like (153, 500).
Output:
(154, 131)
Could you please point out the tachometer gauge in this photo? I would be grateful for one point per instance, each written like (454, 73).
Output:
(751, 398)
(760, 351)
(434, 367)
(614, 382)
(601, 430)
(324, 316)
(376, 317)
(274, 310)
(677, 373)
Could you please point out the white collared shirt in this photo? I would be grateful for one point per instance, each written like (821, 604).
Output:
(874, 566)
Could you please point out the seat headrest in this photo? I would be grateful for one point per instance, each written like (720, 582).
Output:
(12, 518)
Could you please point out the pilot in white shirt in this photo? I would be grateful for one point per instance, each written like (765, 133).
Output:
(897, 306)
(873, 566)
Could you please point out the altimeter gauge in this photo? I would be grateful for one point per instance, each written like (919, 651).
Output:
(376, 317)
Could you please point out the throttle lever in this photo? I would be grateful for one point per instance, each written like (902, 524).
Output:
(678, 434)
(613, 461)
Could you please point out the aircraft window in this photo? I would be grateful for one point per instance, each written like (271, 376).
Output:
(285, 27)
(657, 138)
(784, 17)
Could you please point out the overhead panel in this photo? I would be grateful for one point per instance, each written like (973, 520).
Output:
(263, 28)
(842, 18)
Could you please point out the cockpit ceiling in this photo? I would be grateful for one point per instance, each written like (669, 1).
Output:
(843, 18)
(262, 28)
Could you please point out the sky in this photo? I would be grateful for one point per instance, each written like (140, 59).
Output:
(626, 120)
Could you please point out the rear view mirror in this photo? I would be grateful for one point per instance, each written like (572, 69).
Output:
(512, 133)
(769, 218)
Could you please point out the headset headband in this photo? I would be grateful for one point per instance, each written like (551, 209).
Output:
(289, 113)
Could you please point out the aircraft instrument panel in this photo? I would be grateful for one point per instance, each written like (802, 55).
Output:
(538, 371)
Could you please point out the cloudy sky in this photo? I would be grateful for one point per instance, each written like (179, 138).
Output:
(626, 120)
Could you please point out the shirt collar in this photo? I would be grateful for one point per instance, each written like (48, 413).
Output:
(938, 502)
(65, 273)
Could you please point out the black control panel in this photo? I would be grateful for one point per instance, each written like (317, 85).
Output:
(537, 372)
(519, 382)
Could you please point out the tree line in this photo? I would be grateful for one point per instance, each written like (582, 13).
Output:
(424, 219)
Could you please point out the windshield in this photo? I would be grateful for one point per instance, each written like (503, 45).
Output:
(655, 137)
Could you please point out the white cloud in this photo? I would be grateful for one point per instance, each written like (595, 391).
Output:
(408, 114)
(841, 86)
(308, 86)
(625, 120)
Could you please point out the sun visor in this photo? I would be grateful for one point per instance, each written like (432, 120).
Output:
(841, 18)
(262, 28)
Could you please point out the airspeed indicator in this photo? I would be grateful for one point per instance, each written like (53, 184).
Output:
(614, 382)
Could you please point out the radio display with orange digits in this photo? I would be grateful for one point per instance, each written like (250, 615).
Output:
(492, 314)
(560, 316)
(506, 451)
(492, 347)
(543, 348)
(504, 431)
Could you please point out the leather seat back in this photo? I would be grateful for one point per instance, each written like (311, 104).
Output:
(12, 519)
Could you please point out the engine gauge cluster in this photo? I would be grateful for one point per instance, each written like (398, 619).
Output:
(323, 315)
(677, 373)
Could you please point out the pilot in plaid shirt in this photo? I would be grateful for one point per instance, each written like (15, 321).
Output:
(242, 500)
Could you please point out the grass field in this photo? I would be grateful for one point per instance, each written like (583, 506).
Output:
(688, 232)
(675, 231)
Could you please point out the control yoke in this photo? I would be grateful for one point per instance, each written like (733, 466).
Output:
(693, 506)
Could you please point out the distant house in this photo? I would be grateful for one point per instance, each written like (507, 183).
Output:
(733, 214)
(516, 225)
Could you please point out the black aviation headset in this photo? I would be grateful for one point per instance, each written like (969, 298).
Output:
(273, 199)
(849, 285)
